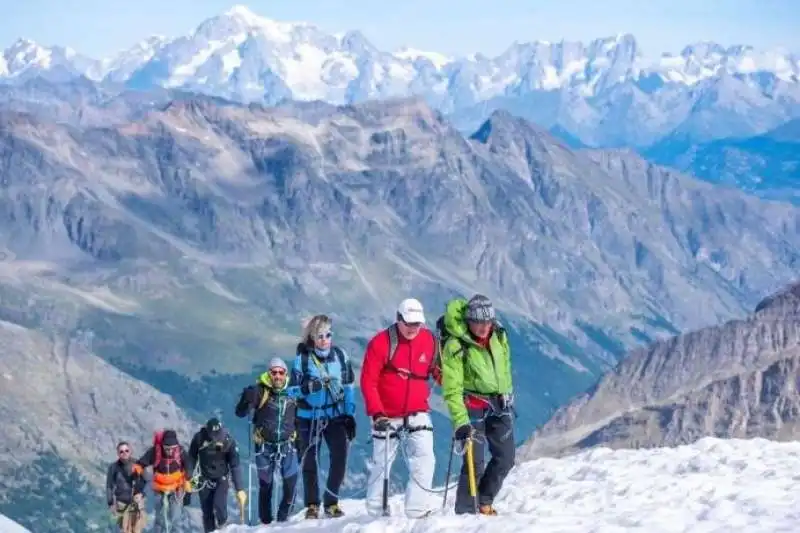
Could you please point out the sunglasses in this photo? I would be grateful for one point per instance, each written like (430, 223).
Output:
(123, 451)
(323, 336)
(278, 372)
(412, 324)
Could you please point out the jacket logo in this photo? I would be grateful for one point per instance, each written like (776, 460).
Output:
(423, 358)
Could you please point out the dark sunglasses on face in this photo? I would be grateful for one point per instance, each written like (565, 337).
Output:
(278, 372)
(123, 451)
(323, 336)
(412, 324)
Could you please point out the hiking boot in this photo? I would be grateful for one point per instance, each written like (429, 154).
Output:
(333, 511)
(487, 510)
(312, 511)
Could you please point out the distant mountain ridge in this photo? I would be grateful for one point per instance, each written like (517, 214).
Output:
(767, 165)
(603, 93)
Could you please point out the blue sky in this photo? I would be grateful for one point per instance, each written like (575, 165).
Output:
(99, 28)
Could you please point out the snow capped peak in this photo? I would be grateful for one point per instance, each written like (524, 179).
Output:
(244, 14)
(412, 54)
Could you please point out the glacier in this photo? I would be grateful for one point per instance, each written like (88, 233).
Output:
(709, 486)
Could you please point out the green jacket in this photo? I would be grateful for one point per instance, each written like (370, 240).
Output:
(477, 370)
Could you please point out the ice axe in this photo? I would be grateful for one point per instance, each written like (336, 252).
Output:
(473, 486)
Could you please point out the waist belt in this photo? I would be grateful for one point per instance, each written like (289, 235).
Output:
(258, 438)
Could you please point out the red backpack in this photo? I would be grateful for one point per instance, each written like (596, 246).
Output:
(174, 459)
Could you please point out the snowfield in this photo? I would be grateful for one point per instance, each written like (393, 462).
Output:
(713, 485)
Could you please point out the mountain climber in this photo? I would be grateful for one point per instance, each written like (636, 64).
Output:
(214, 455)
(274, 407)
(477, 388)
(397, 364)
(325, 410)
(170, 482)
(125, 492)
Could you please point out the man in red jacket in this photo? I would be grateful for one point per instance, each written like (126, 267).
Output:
(394, 381)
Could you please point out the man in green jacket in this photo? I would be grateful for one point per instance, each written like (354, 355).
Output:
(477, 387)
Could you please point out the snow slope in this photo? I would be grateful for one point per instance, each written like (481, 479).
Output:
(712, 485)
(9, 526)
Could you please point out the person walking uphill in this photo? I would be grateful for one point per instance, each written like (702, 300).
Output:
(170, 481)
(274, 431)
(125, 492)
(394, 381)
(477, 388)
(325, 411)
(213, 453)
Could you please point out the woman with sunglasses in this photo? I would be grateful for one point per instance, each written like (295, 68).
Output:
(125, 492)
(274, 406)
(325, 412)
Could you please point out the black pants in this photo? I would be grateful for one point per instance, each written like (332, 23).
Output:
(214, 504)
(498, 432)
(270, 458)
(335, 435)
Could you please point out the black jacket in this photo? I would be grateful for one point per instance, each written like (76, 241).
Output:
(216, 458)
(275, 420)
(121, 483)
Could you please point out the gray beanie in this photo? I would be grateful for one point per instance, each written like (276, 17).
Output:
(277, 362)
(480, 309)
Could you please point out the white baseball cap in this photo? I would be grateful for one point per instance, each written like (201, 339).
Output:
(410, 310)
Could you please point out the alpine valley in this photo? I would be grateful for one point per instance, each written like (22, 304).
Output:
(169, 216)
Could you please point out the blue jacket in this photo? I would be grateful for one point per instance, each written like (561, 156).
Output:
(334, 400)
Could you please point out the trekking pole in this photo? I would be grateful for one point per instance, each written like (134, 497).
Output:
(473, 488)
(386, 473)
(449, 470)
(249, 471)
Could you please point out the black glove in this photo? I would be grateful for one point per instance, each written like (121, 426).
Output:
(310, 386)
(464, 432)
(349, 426)
(187, 499)
(250, 395)
(381, 424)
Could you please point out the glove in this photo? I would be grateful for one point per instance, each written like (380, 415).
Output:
(349, 426)
(187, 487)
(381, 424)
(250, 395)
(464, 432)
(311, 386)
(137, 469)
(242, 497)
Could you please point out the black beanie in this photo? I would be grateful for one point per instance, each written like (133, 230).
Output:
(169, 438)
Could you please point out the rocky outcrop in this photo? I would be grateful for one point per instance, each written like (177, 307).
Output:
(737, 380)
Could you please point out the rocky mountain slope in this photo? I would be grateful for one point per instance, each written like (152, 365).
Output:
(202, 204)
(766, 165)
(64, 409)
(736, 380)
(608, 92)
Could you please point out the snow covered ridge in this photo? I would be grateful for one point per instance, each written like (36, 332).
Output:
(9, 526)
(724, 486)
(244, 56)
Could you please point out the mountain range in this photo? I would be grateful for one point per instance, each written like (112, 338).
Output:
(605, 93)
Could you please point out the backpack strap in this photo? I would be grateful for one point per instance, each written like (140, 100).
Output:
(394, 341)
(264, 399)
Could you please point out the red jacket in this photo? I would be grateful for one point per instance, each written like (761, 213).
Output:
(394, 393)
